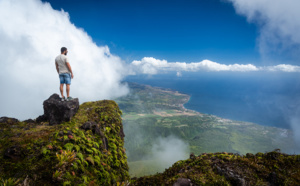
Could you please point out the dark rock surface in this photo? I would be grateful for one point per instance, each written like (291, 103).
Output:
(7, 120)
(41, 118)
(183, 182)
(230, 175)
(29, 121)
(57, 111)
(95, 127)
(13, 152)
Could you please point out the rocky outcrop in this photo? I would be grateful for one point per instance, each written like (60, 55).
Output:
(87, 150)
(272, 168)
(57, 111)
(7, 120)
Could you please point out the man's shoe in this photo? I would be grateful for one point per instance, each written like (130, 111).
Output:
(63, 98)
(69, 98)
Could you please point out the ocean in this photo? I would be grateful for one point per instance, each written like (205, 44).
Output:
(270, 99)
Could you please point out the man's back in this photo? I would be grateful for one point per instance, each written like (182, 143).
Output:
(61, 61)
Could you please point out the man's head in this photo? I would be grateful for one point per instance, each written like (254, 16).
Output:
(64, 50)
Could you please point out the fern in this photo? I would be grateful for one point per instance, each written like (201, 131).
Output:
(90, 159)
(77, 148)
(89, 151)
(95, 151)
(67, 183)
(97, 160)
(69, 146)
(80, 156)
(96, 145)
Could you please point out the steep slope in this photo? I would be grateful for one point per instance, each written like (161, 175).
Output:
(273, 168)
(88, 150)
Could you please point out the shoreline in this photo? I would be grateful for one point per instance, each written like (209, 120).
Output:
(187, 111)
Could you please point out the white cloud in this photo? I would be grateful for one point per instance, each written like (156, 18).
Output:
(278, 22)
(31, 35)
(284, 68)
(150, 65)
(166, 151)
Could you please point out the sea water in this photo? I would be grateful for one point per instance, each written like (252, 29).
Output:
(270, 99)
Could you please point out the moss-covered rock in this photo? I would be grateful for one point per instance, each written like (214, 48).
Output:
(89, 150)
(66, 154)
(272, 168)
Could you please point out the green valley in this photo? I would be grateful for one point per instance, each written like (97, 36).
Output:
(151, 114)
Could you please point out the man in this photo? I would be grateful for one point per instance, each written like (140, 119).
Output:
(64, 70)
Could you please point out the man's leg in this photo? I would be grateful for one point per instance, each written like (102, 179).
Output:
(61, 88)
(68, 90)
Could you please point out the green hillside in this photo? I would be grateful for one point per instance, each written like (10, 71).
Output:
(150, 113)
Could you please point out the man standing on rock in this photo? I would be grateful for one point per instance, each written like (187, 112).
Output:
(64, 70)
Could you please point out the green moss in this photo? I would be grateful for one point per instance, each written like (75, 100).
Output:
(65, 154)
(210, 169)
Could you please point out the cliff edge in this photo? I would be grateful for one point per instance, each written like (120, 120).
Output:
(86, 150)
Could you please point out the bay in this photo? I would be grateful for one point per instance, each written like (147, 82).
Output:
(270, 99)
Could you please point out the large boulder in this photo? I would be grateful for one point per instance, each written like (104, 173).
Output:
(57, 111)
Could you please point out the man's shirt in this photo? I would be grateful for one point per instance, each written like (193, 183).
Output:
(62, 61)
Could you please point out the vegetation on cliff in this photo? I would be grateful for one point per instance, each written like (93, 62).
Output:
(87, 150)
(272, 168)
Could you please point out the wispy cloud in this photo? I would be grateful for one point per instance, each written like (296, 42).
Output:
(278, 24)
(284, 68)
(31, 35)
(150, 65)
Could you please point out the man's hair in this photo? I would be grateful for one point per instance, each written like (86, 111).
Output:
(63, 49)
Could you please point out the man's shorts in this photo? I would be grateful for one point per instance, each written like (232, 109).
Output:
(65, 78)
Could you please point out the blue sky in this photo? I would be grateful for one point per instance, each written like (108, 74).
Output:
(174, 30)
(152, 37)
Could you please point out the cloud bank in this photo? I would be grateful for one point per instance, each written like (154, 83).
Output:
(31, 35)
(150, 65)
(168, 150)
(278, 22)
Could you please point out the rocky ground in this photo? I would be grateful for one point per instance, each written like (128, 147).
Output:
(272, 168)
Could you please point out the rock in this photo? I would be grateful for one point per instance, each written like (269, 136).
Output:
(183, 182)
(95, 127)
(13, 152)
(88, 125)
(41, 118)
(234, 178)
(57, 111)
(29, 121)
(7, 120)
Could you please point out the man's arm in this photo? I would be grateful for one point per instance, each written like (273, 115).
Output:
(56, 67)
(70, 69)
